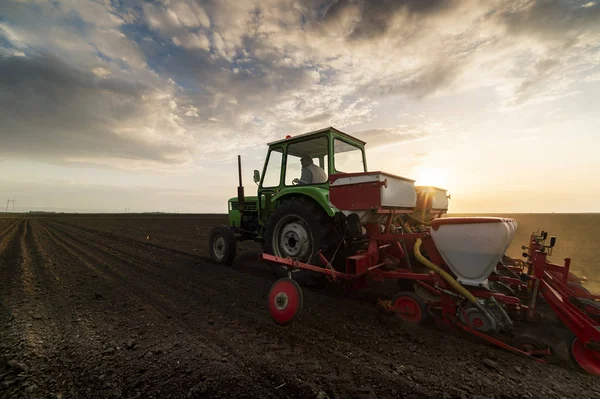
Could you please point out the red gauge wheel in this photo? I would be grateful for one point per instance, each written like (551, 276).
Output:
(410, 307)
(475, 319)
(285, 300)
(587, 359)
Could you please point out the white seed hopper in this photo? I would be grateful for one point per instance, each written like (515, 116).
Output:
(472, 246)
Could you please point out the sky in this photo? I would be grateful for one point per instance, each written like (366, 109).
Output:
(113, 105)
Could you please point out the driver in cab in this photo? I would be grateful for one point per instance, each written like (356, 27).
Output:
(311, 173)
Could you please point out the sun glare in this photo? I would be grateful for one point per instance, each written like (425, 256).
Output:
(427, 176)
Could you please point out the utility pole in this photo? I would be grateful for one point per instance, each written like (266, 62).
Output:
(8, 201)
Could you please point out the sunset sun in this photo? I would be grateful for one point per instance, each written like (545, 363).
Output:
(428, 176)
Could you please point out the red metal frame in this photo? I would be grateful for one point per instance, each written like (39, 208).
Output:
(508, 300)
(499, 343)
(553, 282)
(384, 252)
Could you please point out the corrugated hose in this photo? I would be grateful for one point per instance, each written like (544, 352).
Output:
(446, 276)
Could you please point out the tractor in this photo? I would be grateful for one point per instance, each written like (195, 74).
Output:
(355, 226)
(298, 220)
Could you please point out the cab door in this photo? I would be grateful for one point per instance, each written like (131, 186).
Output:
(270, 182)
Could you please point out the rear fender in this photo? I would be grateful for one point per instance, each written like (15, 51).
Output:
(319, 194)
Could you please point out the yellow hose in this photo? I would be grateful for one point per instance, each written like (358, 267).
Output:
(449, 279)
(426, 262)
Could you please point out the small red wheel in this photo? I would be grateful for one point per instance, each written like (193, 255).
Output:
(285, 300)
(410, 307)
(587, 359)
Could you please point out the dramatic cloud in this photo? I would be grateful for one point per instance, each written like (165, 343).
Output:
(371, 19)
(175, 80)
(385, 137)
(51, 110)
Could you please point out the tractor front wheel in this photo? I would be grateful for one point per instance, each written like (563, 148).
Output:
(222, 245)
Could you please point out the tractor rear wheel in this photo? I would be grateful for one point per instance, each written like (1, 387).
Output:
(298, 229)
(222, 245)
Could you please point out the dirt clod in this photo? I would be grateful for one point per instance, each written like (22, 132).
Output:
(197, 390)
(109, 351)
(491, 364)
(18, 366)
(31, 388)
(322, 395)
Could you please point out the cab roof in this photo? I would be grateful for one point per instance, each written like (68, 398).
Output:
(316, 132)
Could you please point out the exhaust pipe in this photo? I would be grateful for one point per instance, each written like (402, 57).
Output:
(240, 192)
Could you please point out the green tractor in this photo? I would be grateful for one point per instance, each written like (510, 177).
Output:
(291, 215)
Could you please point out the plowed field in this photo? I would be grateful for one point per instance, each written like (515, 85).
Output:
(111, 307)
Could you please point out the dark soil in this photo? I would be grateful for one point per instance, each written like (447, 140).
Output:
(129, 307)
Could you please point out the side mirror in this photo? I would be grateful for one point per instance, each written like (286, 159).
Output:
(552, 241)
(256, 176)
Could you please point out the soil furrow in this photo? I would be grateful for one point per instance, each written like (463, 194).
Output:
(129, 307)
(8, 229)
(382, 352)
(219, 323)
(10, 258)
(144, 297)
(239, 320)
(70, 337)
(126, 239)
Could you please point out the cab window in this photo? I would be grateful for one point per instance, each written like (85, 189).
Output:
(272, 175)
(348, 158)
(315, 171)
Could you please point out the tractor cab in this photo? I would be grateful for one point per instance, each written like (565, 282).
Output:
(331, 151)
